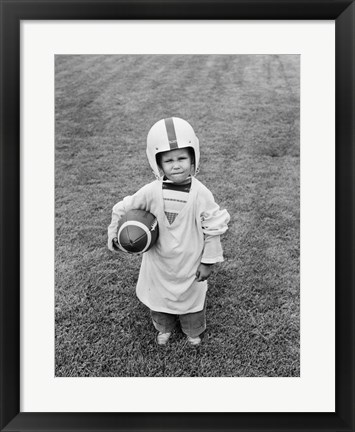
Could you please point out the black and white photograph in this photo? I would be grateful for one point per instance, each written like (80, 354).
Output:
(177, 210)
(177, 215)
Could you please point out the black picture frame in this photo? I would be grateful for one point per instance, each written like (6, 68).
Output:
(12, 12)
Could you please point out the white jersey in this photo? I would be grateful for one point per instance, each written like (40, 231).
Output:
(167, 275)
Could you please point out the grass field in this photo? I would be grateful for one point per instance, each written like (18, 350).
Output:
(245, 111)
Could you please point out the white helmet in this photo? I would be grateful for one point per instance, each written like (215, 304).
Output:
(169, 134)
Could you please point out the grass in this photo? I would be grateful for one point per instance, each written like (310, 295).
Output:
(245, 110)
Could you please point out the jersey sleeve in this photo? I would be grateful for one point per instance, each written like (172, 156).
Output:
(140, 200)
(212, 252)
(214, 222)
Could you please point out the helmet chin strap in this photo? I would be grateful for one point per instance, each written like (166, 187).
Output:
(158, 177)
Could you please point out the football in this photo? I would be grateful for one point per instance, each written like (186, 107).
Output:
(137, 231)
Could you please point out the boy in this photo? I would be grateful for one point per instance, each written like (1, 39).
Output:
(173, 277)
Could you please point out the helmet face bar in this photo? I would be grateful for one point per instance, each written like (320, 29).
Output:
(169, 134)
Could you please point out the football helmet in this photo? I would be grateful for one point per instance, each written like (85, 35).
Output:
(169, 134)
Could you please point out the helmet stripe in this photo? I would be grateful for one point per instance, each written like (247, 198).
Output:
(170, 129)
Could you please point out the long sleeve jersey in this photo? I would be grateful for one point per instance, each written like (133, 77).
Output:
(167, 277)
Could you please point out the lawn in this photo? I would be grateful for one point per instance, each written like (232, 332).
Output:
(245, 111)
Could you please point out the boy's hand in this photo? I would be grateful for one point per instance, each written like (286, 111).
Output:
(113, 245)
(203, 272)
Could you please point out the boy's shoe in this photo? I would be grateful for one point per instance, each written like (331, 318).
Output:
(163, 338)
(194, 341)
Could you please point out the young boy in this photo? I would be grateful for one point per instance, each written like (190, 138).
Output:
(173, 277)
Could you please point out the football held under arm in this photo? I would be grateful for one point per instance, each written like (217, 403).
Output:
(136, 201)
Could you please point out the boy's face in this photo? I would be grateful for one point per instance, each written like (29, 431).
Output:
(176, 164)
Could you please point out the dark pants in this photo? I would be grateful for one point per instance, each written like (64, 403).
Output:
(192, 324)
